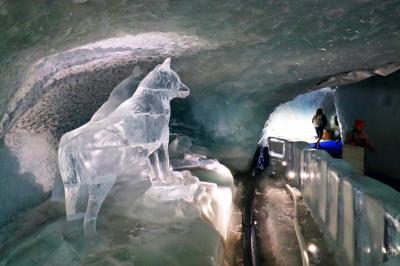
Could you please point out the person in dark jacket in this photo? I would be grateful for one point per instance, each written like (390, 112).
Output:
(319, 121)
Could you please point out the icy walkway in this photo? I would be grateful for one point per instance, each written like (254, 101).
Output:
(276, 238)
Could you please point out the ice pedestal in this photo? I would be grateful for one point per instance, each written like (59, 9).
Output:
(140, 224)
(123, 241)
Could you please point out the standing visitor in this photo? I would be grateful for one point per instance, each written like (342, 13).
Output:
(319, 121)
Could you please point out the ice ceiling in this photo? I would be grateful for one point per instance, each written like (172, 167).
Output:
(60, 60)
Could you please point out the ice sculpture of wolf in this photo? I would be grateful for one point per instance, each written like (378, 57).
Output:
(136, 133)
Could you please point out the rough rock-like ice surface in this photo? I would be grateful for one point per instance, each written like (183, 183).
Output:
(57, 70)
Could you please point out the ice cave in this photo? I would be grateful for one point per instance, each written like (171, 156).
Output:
(160, 132)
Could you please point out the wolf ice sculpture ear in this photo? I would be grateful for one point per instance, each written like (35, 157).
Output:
(166, 64)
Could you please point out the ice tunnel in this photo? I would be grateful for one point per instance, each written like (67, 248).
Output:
(231, 173)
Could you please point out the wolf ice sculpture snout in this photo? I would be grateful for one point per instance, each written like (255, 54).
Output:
(183, 91)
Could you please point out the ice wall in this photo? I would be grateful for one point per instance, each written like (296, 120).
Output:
(359, 215)
(375, 100)
(19, 190)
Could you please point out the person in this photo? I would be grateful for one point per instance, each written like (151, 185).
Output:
(357, 137)
(319, 121)
(337, 130)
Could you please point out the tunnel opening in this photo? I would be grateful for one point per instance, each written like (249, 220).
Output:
(293, 121)
(364, 100)
(307, 168)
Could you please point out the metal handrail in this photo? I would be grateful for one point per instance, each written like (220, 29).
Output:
(300, 239)
(248, 230)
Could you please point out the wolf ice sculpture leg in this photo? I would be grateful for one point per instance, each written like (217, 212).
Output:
(163, 163)
(159, 164)
(101, 168)
(74, 190)
(97, 194)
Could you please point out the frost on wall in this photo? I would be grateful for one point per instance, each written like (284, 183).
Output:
(134, 136)
(292, 120)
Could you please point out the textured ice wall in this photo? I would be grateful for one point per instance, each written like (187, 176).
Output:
(292, 120)
(376, 101)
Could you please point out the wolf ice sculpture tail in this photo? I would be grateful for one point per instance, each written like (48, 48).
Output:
(135, 134)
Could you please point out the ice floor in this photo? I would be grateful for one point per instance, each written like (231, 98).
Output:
(276, 239)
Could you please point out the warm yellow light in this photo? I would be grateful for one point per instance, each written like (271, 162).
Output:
(291, 175)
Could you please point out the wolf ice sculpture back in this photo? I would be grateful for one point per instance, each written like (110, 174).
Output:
(133, 136)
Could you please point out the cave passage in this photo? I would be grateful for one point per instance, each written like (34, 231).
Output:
(257, 72)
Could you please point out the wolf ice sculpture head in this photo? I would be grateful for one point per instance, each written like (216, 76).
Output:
(164, 78)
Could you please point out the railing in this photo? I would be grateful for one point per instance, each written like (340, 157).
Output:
(248, 230)
(304, 255)
(359, 215)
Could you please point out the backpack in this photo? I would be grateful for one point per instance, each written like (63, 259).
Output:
(320, 121)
